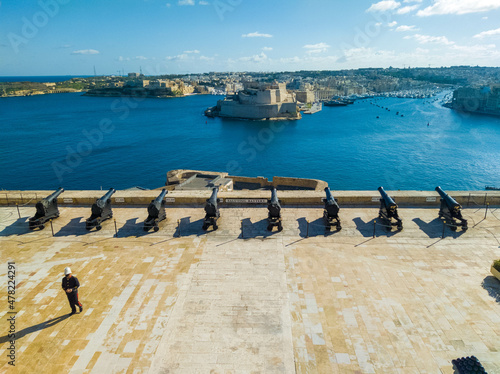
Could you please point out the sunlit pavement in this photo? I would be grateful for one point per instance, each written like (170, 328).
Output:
(243, 300)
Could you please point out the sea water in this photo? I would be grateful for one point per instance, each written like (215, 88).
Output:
(83, 142)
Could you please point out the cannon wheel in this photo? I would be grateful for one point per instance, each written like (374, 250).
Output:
(215, 226)
(156, 228)
(338, 226)
(280, 227)
(42, 226)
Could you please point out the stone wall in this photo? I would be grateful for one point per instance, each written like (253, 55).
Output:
(471, 199)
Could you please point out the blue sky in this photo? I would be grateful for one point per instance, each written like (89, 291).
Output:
(58, 37)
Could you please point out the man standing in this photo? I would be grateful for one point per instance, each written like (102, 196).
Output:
(70, 285)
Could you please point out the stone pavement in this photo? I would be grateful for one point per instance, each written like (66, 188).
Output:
(248, 301)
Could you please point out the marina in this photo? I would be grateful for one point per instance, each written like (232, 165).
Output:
(346, 146)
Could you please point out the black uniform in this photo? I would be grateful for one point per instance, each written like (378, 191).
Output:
(73, 284)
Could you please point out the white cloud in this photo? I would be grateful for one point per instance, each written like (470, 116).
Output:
(407, 9)
(140, 58)
(383, 6)
(392, 24)
(256, 34)
(203, 2)
(412, 1)
(487, 33)
(459, 7)
(484, 18)
(255, 58)
(193, 51)
(425, 39)
(85, 52)
(121, 58)
(185, 2)
(316, 48)
(267, 48)
(403, 28)
(168, 5)
(205, 58)
(182, 56)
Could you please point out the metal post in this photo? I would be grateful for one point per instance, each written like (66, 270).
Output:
(468, 201)
(442, 236)
(51, 227)
(486, 194)
(7, 198)
(374, 227)
(486, 212)
(307, 232)
(23, 201)
(18, 213)
(116, 230)
(179, 227)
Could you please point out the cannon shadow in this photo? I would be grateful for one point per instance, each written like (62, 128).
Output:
(19, 227)
(133, 228)
(73, 227)
(188, 228)
(250, 230)
(365, 228)
(434, 228)
(35, 328)
(316, 228)
(492, 285)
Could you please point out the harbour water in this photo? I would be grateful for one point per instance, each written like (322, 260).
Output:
(80, 142)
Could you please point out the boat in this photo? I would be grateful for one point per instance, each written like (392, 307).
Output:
(335, 103)
(491, 188)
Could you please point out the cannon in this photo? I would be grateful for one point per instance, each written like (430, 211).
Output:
(156, 212)
(451, 211)
(212, 213)
(274, 212)
(388, 212)
(101, 211)
(46, 209)
(331, 211)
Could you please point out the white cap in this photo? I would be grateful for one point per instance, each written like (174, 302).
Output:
(67, 271)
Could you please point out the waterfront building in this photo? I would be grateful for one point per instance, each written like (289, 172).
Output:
(259, 101)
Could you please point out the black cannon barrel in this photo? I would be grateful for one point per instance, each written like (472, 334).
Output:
(449, 201)
(274, 197)
(211, 205)
(155, 206)
(213, 197)
(273, 205)
(329, 197)
(101, 202)
(55, 194)
(160, 197)
(389, 201)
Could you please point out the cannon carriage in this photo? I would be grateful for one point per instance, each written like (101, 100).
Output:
(388, 211)
(451, 211)
(274, 212)
(46, 209)
(101, 211)
(331, 211)
(212, 213)
(156, 212)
